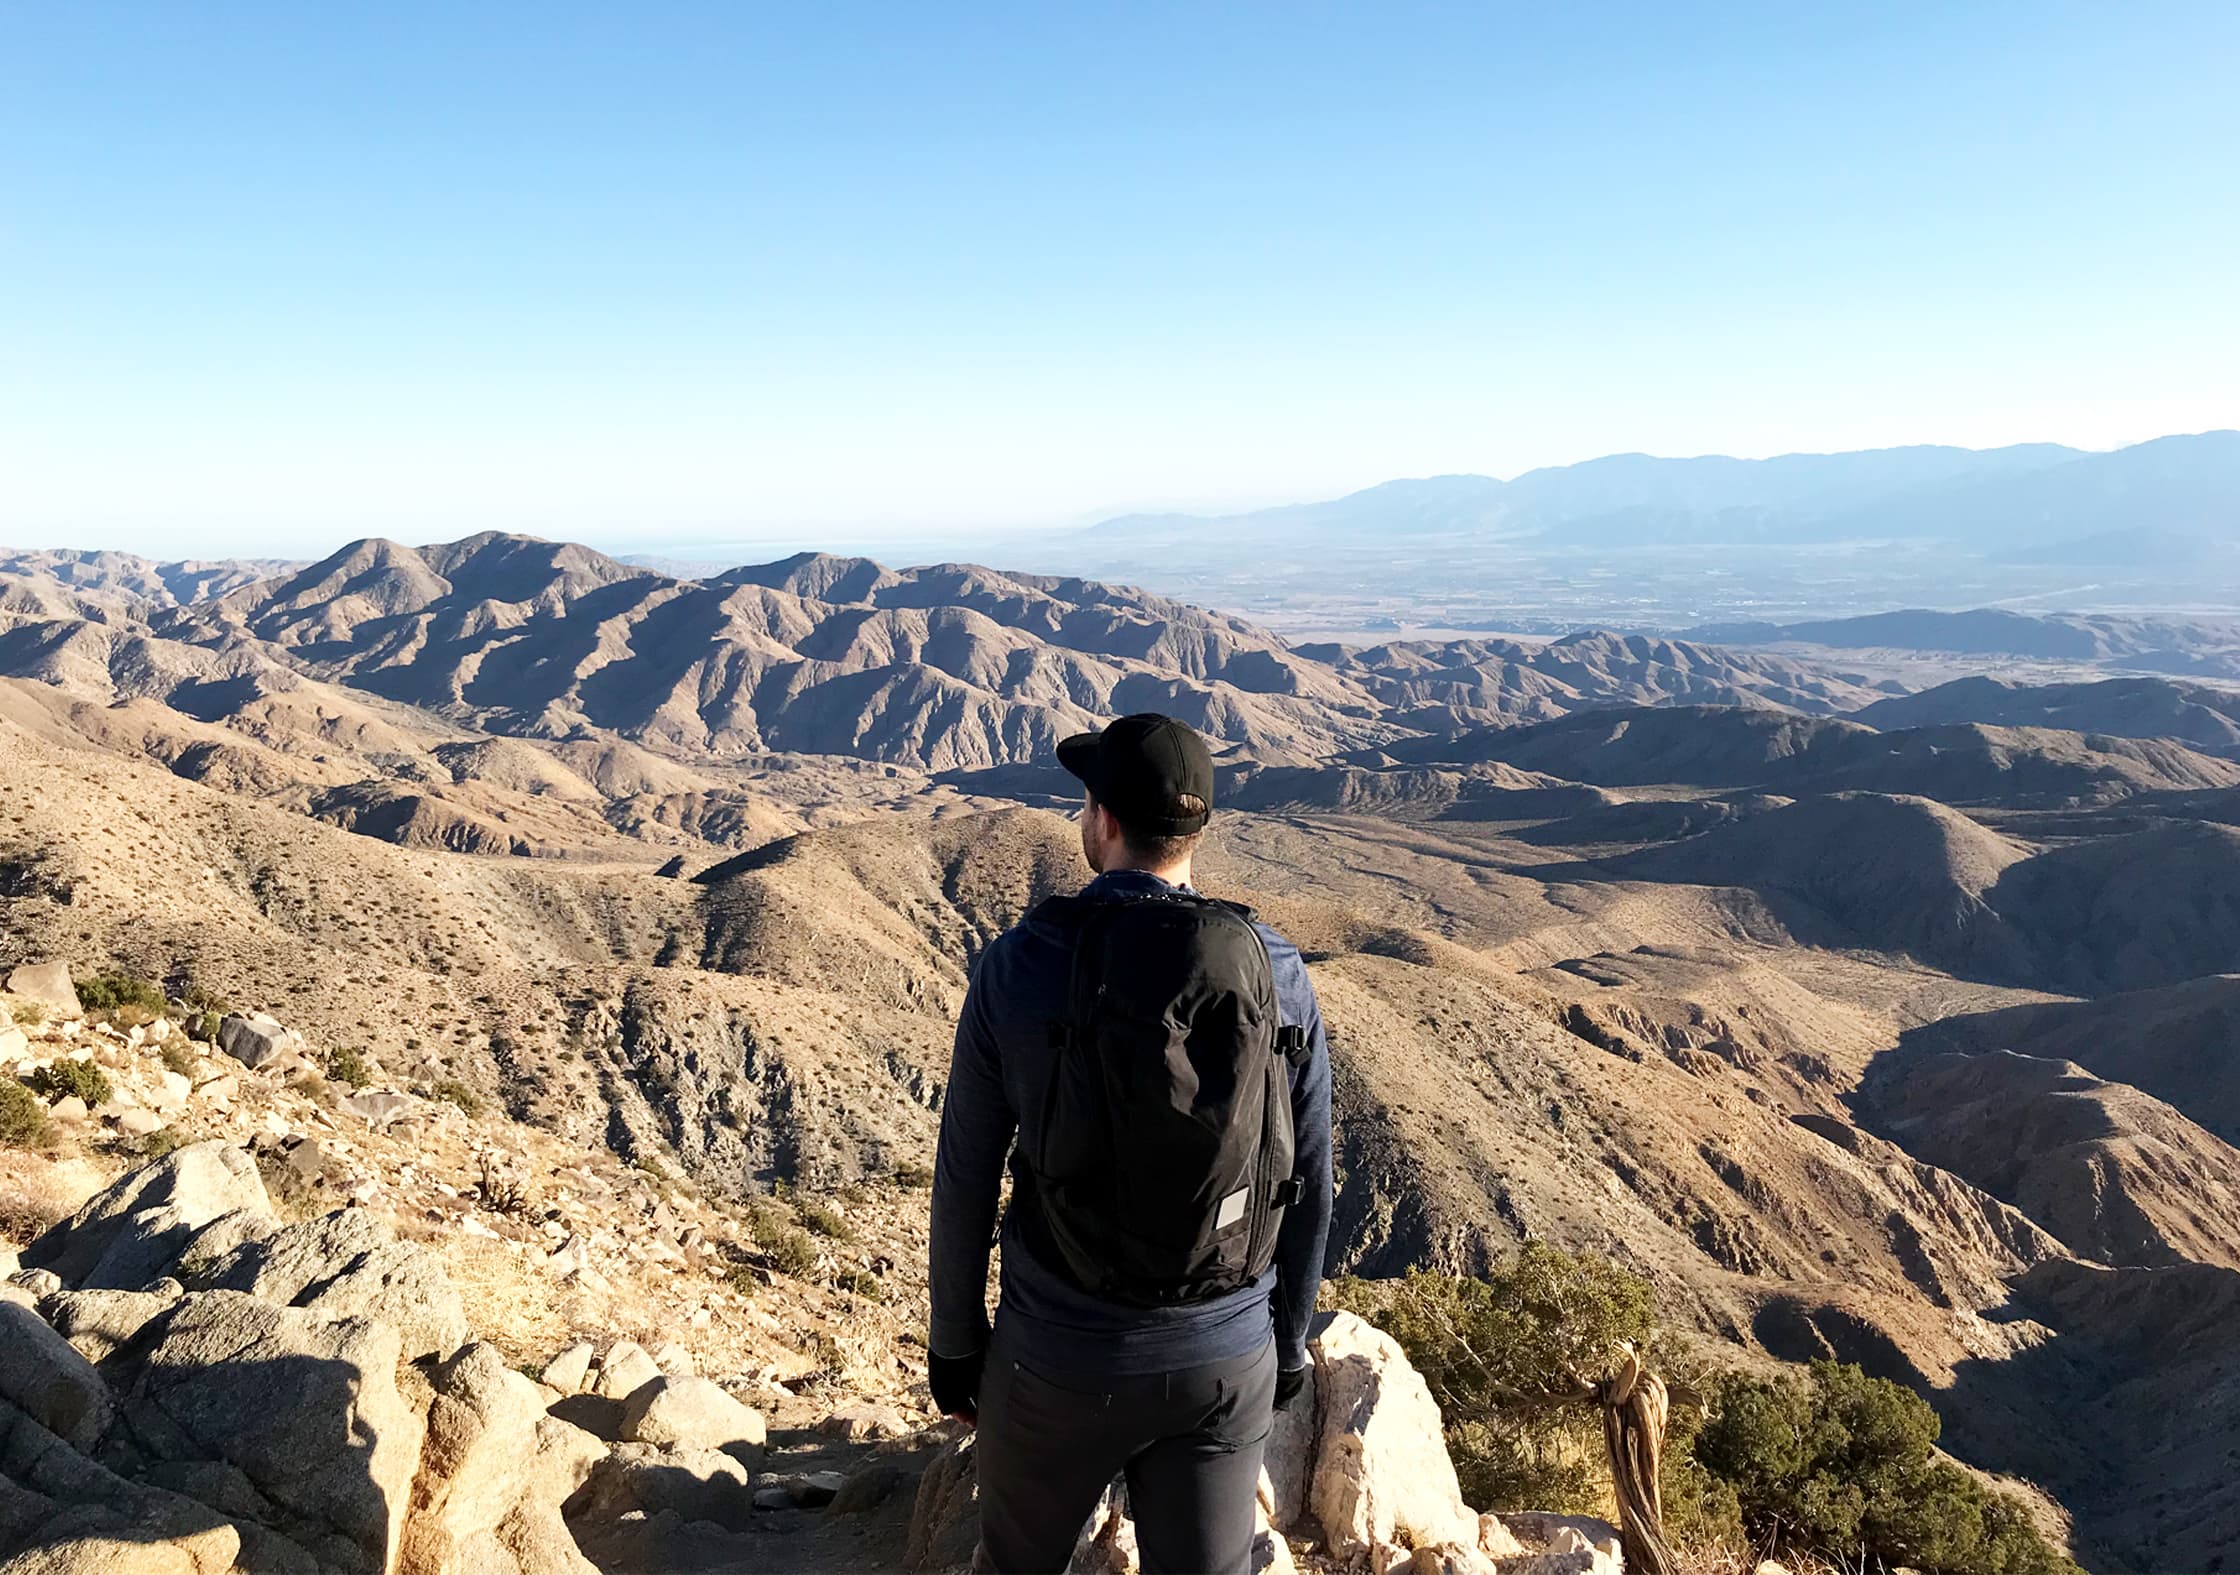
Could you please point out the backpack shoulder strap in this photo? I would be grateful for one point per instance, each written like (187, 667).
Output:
(1291, 1038)
(1064, 911)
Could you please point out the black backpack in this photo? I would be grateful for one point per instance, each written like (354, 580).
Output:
(1165, 1152)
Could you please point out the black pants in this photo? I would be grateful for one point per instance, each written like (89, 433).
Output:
(1189, 1443)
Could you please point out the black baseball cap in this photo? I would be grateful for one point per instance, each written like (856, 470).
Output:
(1140, 767)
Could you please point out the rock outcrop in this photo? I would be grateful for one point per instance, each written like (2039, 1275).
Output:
(134, 1230)
(1380, 1473)
(45, 1377)
(47, 983)
(343, 1265)
(308, 1400)
(691, 1413)
(257, 1040)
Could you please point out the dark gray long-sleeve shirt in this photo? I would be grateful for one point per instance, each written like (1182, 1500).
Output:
(1001, 1065)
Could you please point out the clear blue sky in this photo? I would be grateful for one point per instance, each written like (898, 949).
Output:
(273, 275)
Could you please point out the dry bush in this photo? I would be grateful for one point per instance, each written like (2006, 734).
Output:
(505, 1190)
(509, 1300)
(35, 1194)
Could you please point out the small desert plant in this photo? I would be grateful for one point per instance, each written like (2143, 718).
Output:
(860, 1282)
(23, 1120)
(767, 1220)
(346, 1065)
(504, 1190)
(460, 1094)
(1480, 1342)
(31, 1200)
(67, 1078)
(28, 1014)
(107, 992)
(910, 1173)
(742, 1279)
(162, 1141)
(178, 1058)
(202, 1027)
(826, 1220)
(792, 1252)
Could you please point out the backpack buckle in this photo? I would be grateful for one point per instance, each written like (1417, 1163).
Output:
(1288, 1191)
(1291, 1041)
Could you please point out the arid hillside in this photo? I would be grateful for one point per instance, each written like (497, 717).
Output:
(1906, 1046)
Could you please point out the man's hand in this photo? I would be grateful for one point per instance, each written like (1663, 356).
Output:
(1289, 1381)
(955, 1382)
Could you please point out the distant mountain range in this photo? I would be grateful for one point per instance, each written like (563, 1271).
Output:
(946, 668)
(2199, 647)
(2177, 492)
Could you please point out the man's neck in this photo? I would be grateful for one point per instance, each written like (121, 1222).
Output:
(1172, 874)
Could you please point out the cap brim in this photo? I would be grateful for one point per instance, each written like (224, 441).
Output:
(1078, 755)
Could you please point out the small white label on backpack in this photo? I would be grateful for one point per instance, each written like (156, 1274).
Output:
(1232, 1208)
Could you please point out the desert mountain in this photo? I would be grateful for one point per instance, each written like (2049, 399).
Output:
(1782, 752)
(942, 668)
(2203, 647)
(125, 577)
(2028, 494)
(1448, 686)
(2175, 1043)
(2192, 714)
(2119, 1176)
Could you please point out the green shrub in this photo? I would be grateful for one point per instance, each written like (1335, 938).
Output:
(860, 1282)
(202, 1027)
(162, 1141)
(107, 992)
(1480, 1343)
(767, 1220)
(23, 1120)
(65, 1078)
(913, 1175)
(462, 1095)
(178, 1058)
(1844, 1465)
(28, 1014)
(826, 1220)
(792, 1252)
(348, 1066)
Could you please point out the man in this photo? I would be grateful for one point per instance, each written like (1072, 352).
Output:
(1161, 1062)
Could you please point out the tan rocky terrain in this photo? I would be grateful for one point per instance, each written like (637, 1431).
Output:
(1707, 990)
(363, 1325)
(2119, 1176)
(2194, 714)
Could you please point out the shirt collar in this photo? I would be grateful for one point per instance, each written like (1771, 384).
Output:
(1121, 883)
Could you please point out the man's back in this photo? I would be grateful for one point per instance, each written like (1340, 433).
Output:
(1004, 1060)
(1074, 1387)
